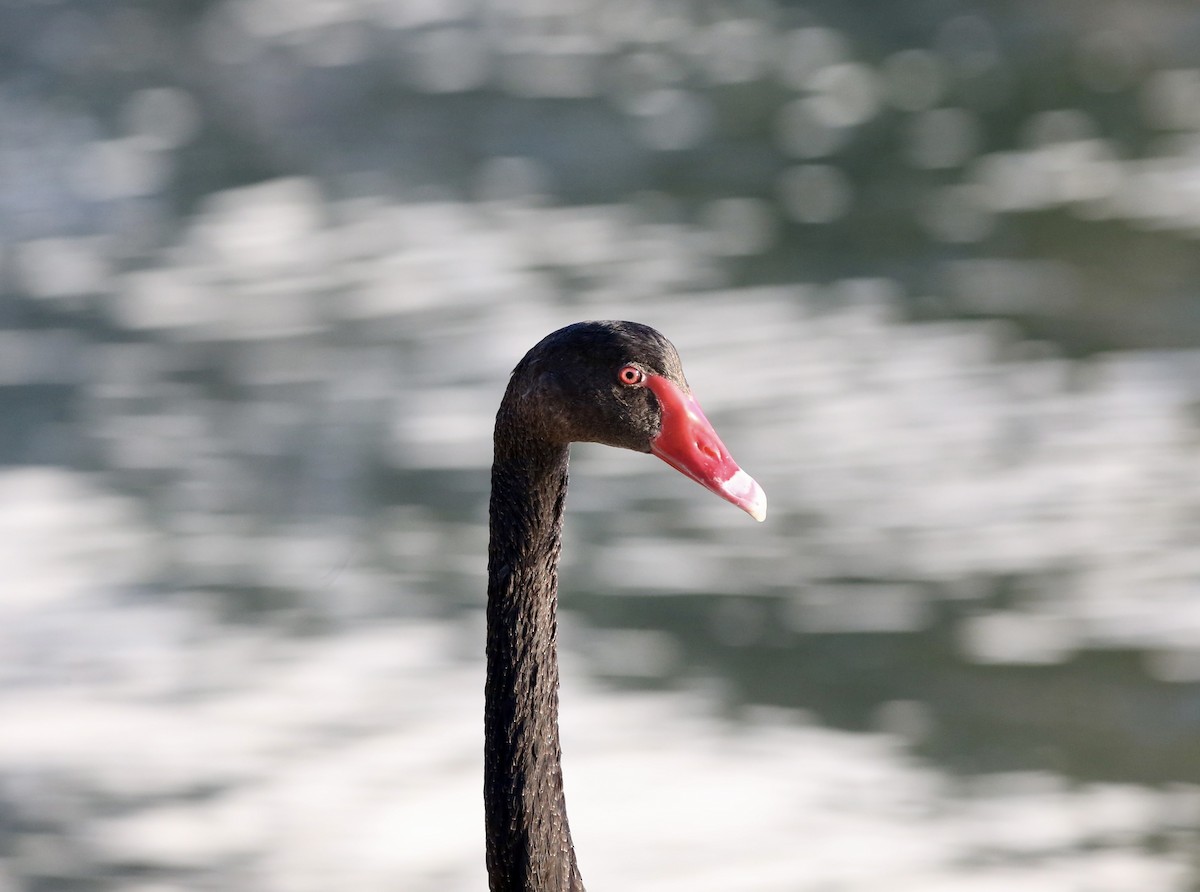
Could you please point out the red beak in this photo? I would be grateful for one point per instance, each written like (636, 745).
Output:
(688, 443)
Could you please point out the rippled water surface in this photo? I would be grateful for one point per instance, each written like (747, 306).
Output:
(264, 269)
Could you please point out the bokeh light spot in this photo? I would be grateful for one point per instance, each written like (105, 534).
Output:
(450, 60)
(844, 95)
(815, 193)
(162, 118)
(672, 119)
(740, 226)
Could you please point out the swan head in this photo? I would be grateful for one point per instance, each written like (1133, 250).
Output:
(622, 384)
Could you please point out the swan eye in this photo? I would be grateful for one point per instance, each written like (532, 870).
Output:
(630, 375)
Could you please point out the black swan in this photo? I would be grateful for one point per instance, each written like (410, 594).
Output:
(617, 383)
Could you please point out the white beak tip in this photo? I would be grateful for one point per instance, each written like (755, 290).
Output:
(744, 491)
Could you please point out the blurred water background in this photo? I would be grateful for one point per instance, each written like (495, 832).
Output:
(932, 268)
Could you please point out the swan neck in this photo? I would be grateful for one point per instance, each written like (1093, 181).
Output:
(528, 840)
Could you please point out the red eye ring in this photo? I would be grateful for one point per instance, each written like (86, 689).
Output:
(630, 376)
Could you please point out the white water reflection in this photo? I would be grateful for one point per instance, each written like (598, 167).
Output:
(241, 649)
(932, 453)
(152, 738)
(911, 467)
